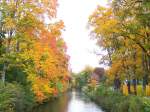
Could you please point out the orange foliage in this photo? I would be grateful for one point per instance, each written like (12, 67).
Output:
(39, 44)
(48, 51)
(51, 66)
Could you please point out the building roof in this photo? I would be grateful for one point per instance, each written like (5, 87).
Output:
(99, 71)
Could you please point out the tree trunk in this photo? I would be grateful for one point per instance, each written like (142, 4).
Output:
(4, 72)
(109, 55)
(17, 46)
(145, 69)
(7, 51)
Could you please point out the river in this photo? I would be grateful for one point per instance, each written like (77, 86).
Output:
(70, 102)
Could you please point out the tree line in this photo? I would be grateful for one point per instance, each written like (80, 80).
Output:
(123, 30)
(32, 52)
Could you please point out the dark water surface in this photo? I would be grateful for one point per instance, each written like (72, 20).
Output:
(70, 102)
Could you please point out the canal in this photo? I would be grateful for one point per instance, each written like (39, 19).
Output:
(70, 102)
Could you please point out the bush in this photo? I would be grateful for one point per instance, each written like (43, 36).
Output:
(115, 101)
(13, 98)
(146, 104)
(135, 104)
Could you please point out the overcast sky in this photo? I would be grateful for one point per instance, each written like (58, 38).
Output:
(75, 15)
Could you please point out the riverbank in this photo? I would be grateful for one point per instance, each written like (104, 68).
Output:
(112, 101)
(15, 97)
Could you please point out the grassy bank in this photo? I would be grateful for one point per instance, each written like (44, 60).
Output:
(112, 101)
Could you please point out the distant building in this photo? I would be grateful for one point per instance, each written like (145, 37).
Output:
(97, 74)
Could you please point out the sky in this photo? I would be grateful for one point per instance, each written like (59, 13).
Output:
(75, 15)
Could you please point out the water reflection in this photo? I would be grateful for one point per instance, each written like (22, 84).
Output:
(69, 102)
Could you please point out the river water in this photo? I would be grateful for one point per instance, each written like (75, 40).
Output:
(70, 102)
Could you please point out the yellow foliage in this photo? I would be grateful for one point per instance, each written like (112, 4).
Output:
(147, 90)
(93, 83)
(132, 89)
(49, 66)
(125, 90)
(139, 90)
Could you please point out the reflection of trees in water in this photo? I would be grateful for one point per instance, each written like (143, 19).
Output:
(63, 103)
(69, 102)
(58, 105)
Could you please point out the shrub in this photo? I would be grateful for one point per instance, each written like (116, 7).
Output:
(146, 104)
(115, 101)
(140, 90)
(13, 98)
(135, 104)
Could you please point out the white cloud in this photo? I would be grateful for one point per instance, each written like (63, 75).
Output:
(75, 14)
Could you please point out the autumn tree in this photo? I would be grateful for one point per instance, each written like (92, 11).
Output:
(123, 31)
(33, 52)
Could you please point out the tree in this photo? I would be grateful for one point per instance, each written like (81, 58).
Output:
(123, 31)
(33, 52)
